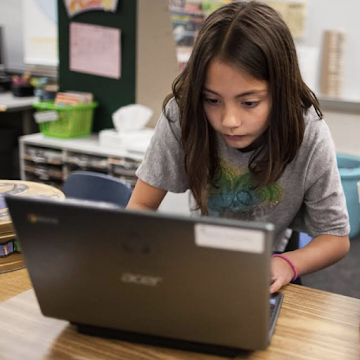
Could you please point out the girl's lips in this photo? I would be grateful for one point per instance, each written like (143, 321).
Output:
(235, 137)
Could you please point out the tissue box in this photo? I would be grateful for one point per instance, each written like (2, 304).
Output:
(133, 141)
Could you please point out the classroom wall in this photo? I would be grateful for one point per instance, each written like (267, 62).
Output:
(326, 15)
(345, 129)
(156, 62)
(322, 14)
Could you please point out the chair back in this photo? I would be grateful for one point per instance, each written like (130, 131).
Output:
(94, 186)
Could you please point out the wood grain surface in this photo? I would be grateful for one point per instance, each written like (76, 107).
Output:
(13, 283)
(23, 188)
(11, 259)
(313, 324)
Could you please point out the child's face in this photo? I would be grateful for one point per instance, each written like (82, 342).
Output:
(236, 105)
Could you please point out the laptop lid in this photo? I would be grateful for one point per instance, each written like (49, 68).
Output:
(200, 279)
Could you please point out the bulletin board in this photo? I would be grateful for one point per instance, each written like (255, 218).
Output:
(111, 93)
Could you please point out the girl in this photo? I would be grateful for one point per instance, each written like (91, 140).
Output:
(245, 134)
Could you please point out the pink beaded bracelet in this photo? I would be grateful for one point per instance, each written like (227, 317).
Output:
(290, 263)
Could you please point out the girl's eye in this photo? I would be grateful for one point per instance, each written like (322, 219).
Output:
(250, 104)
(211, 101)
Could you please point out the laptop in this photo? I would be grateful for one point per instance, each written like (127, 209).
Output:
(196, 283)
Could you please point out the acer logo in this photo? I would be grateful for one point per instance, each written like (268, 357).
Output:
(139, 279)
(33, 218)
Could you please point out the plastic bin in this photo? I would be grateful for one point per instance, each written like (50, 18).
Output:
(349, 168)
(74, 121)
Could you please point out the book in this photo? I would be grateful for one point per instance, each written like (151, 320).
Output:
(332, 75)
(72, 98)
(10, 255)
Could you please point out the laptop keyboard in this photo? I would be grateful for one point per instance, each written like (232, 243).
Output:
(275, 305)
(272, 309)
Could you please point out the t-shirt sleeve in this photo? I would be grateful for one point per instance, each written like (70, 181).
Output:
(324, 208)
(163, 164)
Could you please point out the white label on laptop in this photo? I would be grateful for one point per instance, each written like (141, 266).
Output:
(44, 116)
(227, 238)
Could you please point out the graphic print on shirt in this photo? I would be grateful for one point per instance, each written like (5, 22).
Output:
(231, 195)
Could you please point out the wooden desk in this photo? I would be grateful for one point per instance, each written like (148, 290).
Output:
(13, 283)
(312, 325)
(9, 102)
(8, 240)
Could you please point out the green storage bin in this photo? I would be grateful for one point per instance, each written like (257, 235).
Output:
(74, 121)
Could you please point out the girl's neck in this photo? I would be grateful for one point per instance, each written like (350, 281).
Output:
(254, 145)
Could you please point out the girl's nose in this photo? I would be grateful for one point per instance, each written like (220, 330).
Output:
(231, 117)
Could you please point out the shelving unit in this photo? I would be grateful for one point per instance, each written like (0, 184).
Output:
(50, 160)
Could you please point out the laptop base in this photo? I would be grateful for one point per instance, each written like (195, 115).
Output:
(160, 341)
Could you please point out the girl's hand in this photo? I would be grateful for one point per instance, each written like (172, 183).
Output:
(281, 274)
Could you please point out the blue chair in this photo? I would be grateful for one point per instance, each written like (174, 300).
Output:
(94, 186)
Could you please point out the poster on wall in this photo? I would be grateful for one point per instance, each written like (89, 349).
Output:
(40, 32)
(95, 50)
(294, 14)
(187, 17)
(75, 7)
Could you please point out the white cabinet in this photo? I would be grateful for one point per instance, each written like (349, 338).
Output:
(50, 160)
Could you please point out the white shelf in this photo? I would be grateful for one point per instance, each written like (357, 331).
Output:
(9, 102)
(50, 160)
(87, 145)
(340, 105)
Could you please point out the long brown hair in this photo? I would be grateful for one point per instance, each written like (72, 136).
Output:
(252, 37)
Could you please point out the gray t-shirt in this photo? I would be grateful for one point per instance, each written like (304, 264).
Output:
(308, 197)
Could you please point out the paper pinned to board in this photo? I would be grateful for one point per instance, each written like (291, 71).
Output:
(95, 49)
(75, 7)
(294, 14)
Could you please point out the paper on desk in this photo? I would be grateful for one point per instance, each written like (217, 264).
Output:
(95, 49)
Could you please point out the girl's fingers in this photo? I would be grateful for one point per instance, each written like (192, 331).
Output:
(275, 286)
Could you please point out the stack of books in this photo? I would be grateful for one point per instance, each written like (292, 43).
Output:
(332, 76)
(10, 256)
(72, 98)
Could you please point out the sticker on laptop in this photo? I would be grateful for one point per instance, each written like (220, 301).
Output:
(228, 238)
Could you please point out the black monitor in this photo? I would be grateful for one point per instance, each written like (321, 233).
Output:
(5, 79)
(2, 60)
